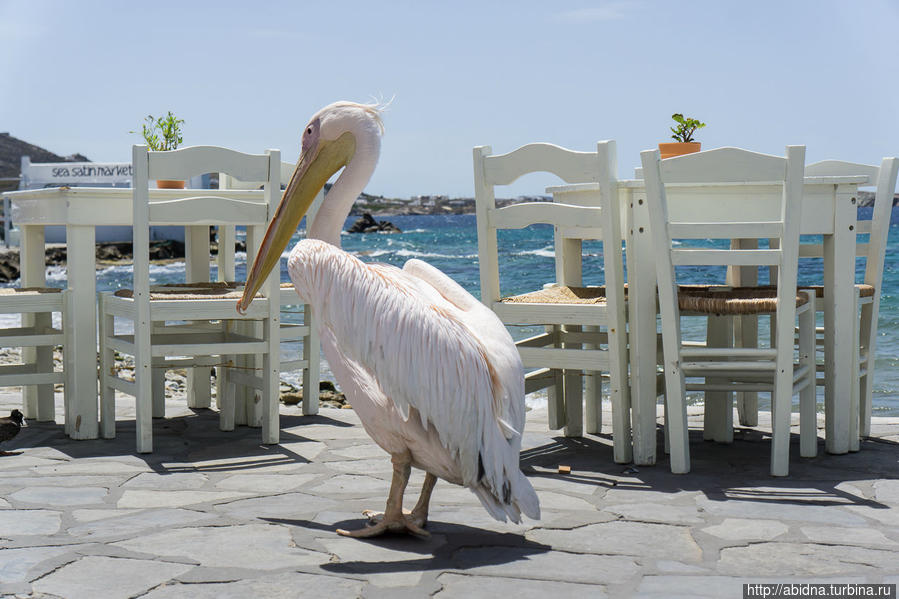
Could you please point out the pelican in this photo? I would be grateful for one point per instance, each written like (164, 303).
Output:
(433, 374)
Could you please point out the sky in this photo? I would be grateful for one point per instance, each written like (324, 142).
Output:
(80, 76)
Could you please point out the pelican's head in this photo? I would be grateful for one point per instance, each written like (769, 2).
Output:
(334, 135)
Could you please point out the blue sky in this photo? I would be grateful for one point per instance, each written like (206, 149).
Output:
(78, 76)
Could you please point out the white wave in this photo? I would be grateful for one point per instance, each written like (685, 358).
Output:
(414, 254)
(547, 252)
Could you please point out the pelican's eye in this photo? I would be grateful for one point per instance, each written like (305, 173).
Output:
(309, 131)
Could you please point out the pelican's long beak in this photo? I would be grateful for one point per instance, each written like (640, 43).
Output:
(314, 168)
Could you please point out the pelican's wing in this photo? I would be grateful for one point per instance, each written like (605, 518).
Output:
(451, 364)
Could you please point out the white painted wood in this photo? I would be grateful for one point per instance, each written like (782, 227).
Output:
(739, 166)
(196, 345)
(568, 354)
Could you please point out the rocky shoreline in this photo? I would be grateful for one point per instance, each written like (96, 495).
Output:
(176, 380)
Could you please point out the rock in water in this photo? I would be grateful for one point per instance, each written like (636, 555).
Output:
(368, 224)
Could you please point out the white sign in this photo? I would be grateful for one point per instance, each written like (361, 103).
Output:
(57, 174)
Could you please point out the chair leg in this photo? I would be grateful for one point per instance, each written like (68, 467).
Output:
(46, 404)
(271, 383)
(718, 422)
(143, 397)
(746, 330)
(676, 422)
(158, 390)
(225, 396)
(199, 387)
(312, 356)
(574, 395)
(808, 416)
(555, 392)
(867, 331)
(854, 399)
(781, 408)
(107, 369)
(592, 394)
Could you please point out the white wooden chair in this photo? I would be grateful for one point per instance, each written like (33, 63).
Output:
(36, 338)
(720, 371)
(873, 249)
(307, 333)
(585, 326)
(182, 325)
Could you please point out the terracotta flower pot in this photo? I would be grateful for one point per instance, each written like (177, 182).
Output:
(678, 148)
(169, 184)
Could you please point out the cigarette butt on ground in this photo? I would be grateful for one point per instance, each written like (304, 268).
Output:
(564, 469)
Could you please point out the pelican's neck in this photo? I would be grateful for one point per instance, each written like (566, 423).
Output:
(328, 221)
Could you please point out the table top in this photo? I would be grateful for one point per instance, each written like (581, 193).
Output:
(639, 184)
(112, 205)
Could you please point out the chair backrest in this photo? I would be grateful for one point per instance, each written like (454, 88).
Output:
(598, 167)
(883, 178)
(702, 173)
(185, 207)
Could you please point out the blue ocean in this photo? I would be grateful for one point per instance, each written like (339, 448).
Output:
(449, 242)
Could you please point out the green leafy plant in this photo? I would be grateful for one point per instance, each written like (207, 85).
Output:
(685, 128)
(162, 133)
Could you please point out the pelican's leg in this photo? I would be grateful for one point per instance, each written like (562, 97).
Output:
(394, 519)
(420, 511)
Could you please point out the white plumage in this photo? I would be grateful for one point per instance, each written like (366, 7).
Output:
(432, 373)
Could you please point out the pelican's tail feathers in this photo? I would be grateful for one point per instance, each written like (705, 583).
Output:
(518, 497)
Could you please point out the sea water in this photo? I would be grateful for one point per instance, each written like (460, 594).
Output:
(526, 259)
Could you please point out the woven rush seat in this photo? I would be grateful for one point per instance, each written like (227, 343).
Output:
(863, 290)
(24, 291)
(724, 299)
(188, 291)
(560, 294)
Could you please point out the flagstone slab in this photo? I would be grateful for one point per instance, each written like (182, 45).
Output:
(828, 514)
(866, 537)
(258, 546)
(132, 522)
(25, 479)
(804, 559)
(173, 481)
(887, 491)
(540, 563)
(623, 538)
(265, 483)
(90, 467)
(742, 529)
(657, 512)
(18, 565)
(280, 586)
(148, 498)
(60, 496)
(288, 505)
(352, 484)
(456, 586)
(386, 562)
(92, 514)
(29, 522)
(111, 578)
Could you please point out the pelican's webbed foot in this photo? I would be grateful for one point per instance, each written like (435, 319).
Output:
(379, 523)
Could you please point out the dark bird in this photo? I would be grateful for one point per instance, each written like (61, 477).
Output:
(9, 427)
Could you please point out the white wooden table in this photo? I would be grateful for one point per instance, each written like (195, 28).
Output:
(80, 210)
(829, 208)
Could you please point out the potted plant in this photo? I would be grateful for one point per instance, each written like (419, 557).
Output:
(163, 134)
(683, 134)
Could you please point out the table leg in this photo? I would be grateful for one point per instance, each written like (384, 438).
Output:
(39, 402)
(642, 331)
(569, 272)
(746, 330)
(82, 282)
(839, 284)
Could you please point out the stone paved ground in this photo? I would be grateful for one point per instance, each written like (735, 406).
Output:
(213, 515)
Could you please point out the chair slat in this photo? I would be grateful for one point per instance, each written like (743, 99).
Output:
(743, 230)
(571, 166)
(207, 210)
(697, 257)
(197, 160)
(519, 216)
